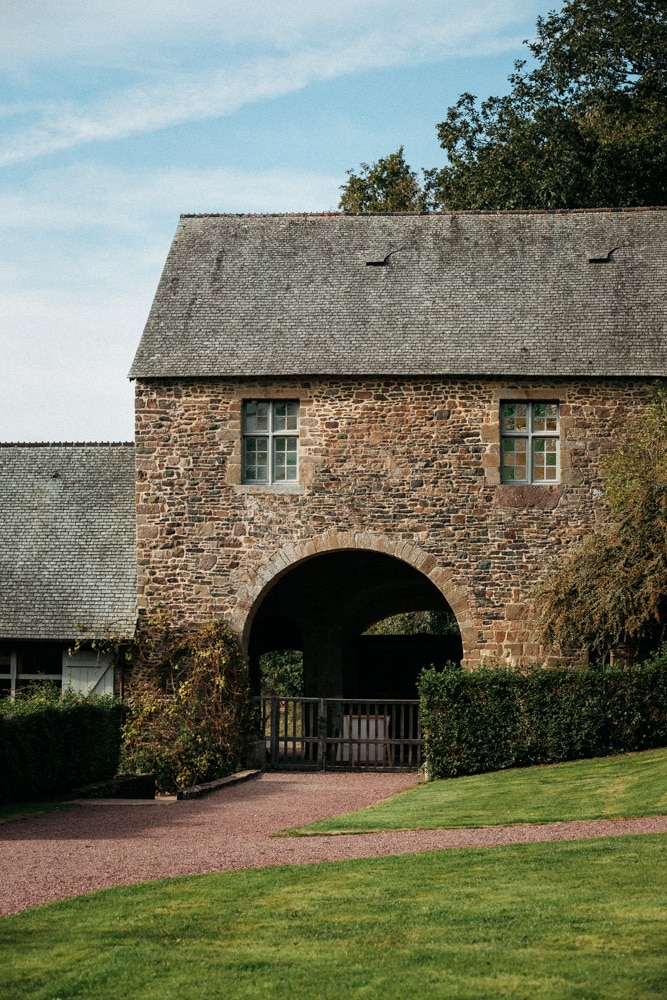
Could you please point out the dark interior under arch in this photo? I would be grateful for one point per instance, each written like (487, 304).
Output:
(324, 605)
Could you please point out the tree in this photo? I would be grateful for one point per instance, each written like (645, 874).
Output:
(387, 186)
(611, 590)
(281, 673)
(585, 127)
(417, 623)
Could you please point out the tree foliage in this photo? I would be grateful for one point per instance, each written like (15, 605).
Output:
(584, 126)
(417, 623)
(611, 590)
(281, 673)
(386, 186)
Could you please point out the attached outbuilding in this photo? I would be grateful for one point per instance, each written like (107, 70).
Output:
(67, 561)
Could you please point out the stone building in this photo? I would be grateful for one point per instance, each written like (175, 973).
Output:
(339, 418)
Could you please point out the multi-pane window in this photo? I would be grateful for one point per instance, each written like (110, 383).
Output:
(529, 441)
(270, 441)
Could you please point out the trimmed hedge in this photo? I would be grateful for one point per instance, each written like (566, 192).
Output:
(498, 717)
(50, 745)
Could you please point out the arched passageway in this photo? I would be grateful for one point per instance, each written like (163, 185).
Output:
(323, 606)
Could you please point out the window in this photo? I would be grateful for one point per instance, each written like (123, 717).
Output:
(529, 442)
(7, 671)
(28, 664)
(270, 441)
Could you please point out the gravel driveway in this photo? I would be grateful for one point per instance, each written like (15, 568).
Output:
(94, 846)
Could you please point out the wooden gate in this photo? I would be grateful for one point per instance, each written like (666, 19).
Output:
(338, 734)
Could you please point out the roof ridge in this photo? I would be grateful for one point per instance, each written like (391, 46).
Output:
(462, 211)
(66, 444)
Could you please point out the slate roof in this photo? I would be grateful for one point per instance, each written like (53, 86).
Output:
(67, 538)
(496, 293)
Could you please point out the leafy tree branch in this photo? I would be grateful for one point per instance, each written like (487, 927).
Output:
(585, 127)
(611, 590)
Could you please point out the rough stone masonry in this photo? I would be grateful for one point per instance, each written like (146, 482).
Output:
(407, 467)
(401, 371)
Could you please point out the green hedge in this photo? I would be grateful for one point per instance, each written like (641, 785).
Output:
(501, 717)
(49, 745)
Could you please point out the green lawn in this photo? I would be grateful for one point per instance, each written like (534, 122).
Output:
(566, 921)
(607, 787)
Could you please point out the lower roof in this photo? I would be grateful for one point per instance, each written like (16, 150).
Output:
(67, 539)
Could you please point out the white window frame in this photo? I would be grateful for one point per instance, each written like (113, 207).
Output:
(274, 436)
(531, 435)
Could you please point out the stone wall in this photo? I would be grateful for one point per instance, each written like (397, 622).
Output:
(408, 467)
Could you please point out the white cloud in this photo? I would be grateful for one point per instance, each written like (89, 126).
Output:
(35, 31)
(87, 196)
(358, 43)
(83, 248)
(65, 364)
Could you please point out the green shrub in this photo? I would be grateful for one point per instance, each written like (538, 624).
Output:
(500, 717)
(190, 709)
(281, 673)
(50, 743)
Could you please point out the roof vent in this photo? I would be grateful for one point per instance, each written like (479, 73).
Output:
(609, 259)
(385, 262)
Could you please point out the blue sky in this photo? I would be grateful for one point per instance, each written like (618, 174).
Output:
(115, 117)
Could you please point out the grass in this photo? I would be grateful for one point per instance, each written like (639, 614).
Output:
(582, 920)
(605, 788)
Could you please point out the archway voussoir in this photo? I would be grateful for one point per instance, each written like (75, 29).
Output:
(456, 596)
(441, 577)
(292, 554)
(383, 544)
(403, 550)
(425, 563)
(253, 591)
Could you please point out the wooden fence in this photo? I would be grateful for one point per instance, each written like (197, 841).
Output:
(333, 733)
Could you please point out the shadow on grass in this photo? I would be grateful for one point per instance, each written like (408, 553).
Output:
(12, 812)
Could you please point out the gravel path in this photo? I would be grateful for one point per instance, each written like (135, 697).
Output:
(94, 846)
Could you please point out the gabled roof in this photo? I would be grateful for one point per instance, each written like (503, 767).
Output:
(67, 538)
(498, 293)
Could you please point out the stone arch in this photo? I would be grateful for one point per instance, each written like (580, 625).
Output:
(250, 598)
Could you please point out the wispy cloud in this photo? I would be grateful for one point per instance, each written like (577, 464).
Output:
(87, 196)
(82, 251)
(35, 32)
(167, 99)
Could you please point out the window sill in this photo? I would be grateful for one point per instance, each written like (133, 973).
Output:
(528, 496)
(291, 489)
